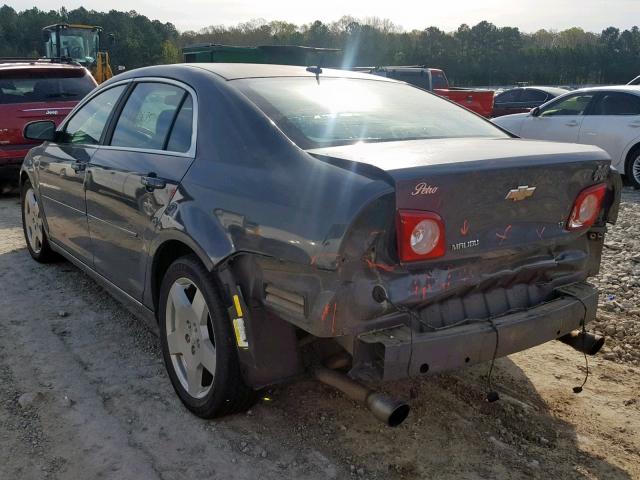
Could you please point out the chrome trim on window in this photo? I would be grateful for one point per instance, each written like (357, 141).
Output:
(191, 153)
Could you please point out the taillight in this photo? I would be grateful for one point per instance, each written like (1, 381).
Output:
(586, 207)
(420, 235)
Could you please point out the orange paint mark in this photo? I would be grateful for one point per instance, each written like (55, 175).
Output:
(381, 266)
(333, 320)
(447, 282)
(465, 228)
(325, 312)
(504, 235)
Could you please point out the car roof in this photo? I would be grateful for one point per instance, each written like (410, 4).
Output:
(35, 64)
(235, 71)
(553, 90)
(611, 88)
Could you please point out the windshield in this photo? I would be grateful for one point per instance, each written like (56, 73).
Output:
(341, 111)
(26, 87)
(79, 44)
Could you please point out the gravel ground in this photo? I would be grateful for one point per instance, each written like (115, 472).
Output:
(83, 394)
(619, 284)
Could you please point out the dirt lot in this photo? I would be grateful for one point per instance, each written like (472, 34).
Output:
(83, 395)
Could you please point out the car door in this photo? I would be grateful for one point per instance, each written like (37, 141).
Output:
(61, 172)
(506, 103)
(559, 120)
(148, 149)
(612, 124)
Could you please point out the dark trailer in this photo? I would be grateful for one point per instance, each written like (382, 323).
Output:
(264, 54)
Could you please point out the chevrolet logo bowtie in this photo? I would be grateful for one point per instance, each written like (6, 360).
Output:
(520, 193)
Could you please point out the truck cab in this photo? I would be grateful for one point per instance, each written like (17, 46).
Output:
(435, 80)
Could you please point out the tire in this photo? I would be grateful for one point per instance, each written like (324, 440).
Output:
(33, 227)
(633, 168)
(196, 337)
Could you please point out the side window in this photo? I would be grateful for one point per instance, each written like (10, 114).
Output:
(417, 77)
(147, 116)
(616, 103)
(87, 124)
(439, 80)
(180, 137)
(531, 95)
(571, 105)
(508, 97)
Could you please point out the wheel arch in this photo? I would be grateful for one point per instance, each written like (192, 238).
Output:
(162, 256)
(24, 176)
(635, 147)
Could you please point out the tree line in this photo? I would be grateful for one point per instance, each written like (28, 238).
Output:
(483, 54)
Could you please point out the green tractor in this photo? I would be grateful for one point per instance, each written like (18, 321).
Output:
(80, 44)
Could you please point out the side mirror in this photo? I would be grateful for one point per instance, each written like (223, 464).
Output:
(112, 39)
(535, 111)
(43, 130)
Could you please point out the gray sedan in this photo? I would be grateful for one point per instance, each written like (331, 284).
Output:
(277, 220)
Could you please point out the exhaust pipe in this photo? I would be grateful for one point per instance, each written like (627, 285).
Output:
(583, 342)
(386, 409)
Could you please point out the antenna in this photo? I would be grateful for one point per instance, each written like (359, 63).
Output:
(317, 70)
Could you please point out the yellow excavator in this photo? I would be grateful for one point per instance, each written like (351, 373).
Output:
(80, 44)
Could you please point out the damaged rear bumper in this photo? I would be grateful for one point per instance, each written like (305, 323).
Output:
(397, 352)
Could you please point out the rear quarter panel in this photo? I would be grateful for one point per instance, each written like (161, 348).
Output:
(252, 190)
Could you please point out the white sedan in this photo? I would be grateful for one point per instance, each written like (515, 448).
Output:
(608, 117)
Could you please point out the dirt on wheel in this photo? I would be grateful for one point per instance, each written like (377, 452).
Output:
(84, 394)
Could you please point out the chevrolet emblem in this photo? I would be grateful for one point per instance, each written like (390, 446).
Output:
(520, 193)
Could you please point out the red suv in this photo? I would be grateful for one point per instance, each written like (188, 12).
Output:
(35, 90)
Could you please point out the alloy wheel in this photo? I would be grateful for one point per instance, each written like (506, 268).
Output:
(33, 221)
(190, 338)
(635, 169)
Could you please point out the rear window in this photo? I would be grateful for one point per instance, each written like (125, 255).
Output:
(341, 111)
(28, 87)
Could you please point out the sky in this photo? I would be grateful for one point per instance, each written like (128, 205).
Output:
(528, 15)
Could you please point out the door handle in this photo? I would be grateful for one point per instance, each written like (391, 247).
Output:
(151, 182)
(635, 124)
(572, 123)
(79, 166)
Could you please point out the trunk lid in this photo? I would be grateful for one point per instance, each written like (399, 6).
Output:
(492, 194)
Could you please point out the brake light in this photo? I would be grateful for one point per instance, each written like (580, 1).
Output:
(586, 207)
(420, 235)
